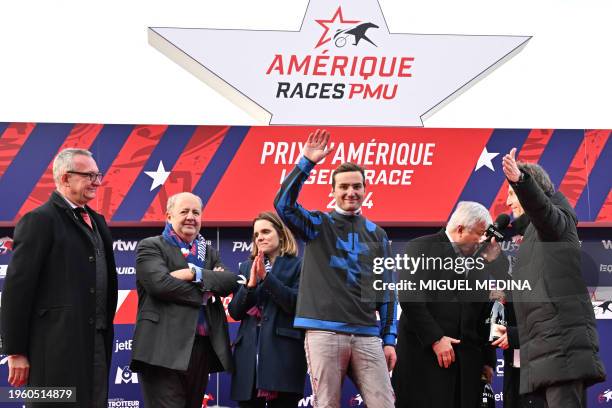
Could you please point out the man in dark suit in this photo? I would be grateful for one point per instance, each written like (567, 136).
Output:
(60, 292)
(181, 332)
(441, 343)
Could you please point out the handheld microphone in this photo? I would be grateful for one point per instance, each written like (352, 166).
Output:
(496, 229)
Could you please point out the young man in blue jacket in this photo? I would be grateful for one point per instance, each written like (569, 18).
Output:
(334, 306)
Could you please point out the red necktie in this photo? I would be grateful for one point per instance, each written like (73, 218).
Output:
(85, 216)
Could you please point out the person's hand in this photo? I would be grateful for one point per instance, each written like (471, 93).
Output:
(260, 268)
(253, 274)
(183, 274)
(443, 349)
(390, 357)
(19, 370)
(487, 371)
(491, 251)
(317, 148)
(502, 342)
(510, 167)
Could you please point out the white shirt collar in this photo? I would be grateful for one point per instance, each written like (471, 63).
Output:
(70, 203)
(344, 212)
(455, 247)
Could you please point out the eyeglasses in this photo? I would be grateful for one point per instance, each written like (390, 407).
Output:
(91, 176)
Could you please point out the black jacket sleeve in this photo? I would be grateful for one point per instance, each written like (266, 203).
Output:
(153, 274)
(221, 283)
(550, 220)
(30, 253)
(418, 316)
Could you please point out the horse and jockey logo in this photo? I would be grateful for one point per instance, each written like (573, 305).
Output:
(6, 245)
(604, 306)
(356, 401)
(349, 32)
(358, 33)
(605, 396)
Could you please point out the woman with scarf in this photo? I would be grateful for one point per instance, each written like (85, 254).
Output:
(269, 359)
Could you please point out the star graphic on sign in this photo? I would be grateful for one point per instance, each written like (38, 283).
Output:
(324, 24)
(159, 176)
(485, 159)
(280, 79)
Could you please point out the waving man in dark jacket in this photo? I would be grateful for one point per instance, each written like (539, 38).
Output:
(559, 344)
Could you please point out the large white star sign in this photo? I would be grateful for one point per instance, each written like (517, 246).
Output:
(343, 66)
(485, 159)
(159, 176)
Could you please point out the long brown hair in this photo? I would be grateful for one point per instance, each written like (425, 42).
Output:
(287, 243)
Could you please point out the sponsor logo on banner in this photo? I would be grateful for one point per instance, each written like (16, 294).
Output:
(306, 401)
(125, 376)
(123, 345)
(605, 268)
(207, 398)
(343, 67)
(499, 368)
(3, 269)
(242, 246)
(6, 245)
(603, 309)
(605, 396)
(123, 246)
(607, 243)
(120, 402)
(126, 270)
(509, 246)
(356, 401)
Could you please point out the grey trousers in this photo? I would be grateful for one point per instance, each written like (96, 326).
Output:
(331, 356)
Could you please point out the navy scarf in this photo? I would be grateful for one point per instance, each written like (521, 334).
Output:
(194, 253)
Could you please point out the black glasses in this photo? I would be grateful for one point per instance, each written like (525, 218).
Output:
(91, 176)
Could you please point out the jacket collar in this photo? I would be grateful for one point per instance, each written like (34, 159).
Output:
(60, 201)
(344, 217)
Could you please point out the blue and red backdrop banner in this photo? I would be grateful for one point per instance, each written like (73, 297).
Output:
(415, 176)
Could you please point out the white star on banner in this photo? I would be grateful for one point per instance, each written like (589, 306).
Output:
(159, 176)
(485, 159)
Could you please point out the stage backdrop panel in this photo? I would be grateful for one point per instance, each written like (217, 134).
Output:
(415, 176)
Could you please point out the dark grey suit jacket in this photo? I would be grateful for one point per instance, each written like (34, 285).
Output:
(168, 308)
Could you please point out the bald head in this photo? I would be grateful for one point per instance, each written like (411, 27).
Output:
(173, 198)
(184, 212)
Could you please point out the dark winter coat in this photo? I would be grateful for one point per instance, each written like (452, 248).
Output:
(49, 297)
(556, 324)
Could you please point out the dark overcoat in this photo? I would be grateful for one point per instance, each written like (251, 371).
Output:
(428, 315)
(49, 297)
